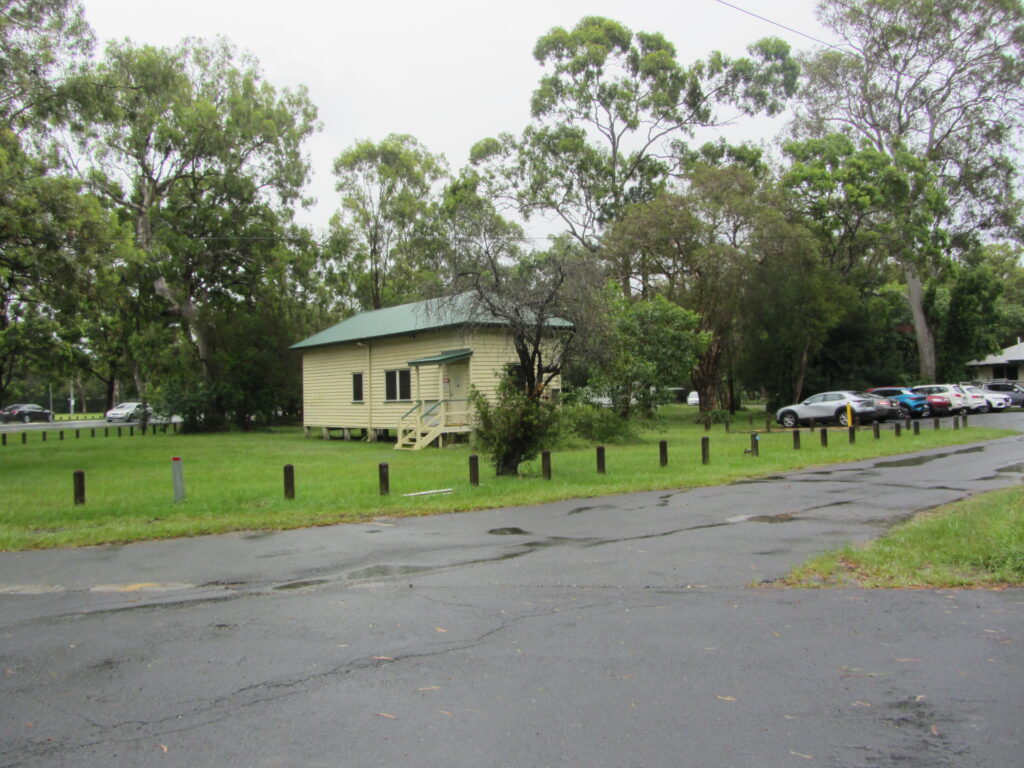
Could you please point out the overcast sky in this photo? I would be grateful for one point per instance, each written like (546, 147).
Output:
(449, 72)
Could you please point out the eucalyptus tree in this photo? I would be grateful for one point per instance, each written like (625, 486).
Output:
(189, 143)
(694, 247)
(606, 116)
(40, 41)
(389, 196)
(944, 81)
(52, 239)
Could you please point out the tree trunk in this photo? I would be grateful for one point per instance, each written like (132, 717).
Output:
(801, 373)
(926, 356)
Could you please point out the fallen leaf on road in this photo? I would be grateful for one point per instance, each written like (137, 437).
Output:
(908, 659)
(860, 704)
(385, 714)
(439, 629)
(445, 712)
(725, 698)
(430, 688)
(935, 731)
(919, 698)
(163, 748)
(801, 754)
(382, 658)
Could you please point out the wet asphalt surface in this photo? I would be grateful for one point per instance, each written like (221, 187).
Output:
(622, 631)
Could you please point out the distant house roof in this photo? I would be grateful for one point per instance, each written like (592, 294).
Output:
(1014, 354)
(408, 318)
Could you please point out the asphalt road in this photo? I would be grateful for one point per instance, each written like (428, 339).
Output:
(621, 631)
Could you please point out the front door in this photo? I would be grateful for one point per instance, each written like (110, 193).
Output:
(455, 389)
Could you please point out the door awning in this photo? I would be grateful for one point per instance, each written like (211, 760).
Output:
(451, 356)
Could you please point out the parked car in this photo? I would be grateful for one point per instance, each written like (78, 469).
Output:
(957, 401)
(128, 412)
(994, 401)
(1014, 391)
(976, 402)
(910, 403)
(25, 412)
(693, 398)
(885, 407)
(829, 406)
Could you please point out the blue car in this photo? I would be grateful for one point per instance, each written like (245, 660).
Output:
(910, 403)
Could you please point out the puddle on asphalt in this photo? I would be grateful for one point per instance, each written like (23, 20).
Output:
(917, 461)
(508, 532)
(590, 509)
(782, 517)
(385, 571)
(301, 584)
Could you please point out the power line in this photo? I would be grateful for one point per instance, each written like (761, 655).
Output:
(778, 24)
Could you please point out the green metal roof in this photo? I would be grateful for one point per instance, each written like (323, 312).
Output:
(451, 356)
(407, 318)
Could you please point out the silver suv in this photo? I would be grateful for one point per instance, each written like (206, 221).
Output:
(828, 406)
(1014, 391)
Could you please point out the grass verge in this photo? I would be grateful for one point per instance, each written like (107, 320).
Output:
(978, 542)
(234, 481)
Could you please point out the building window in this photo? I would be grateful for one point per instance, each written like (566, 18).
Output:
(357, 387)
(398, 385)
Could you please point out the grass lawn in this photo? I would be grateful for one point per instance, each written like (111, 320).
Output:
(975, 542)
(234, 481)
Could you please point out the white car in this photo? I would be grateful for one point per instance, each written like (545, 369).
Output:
(994, 401)
(693, 398)
(128, 412)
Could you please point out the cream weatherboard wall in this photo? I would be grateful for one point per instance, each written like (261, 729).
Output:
(327, 374)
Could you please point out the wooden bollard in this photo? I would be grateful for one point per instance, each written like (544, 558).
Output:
(937, 424)
(92, 432)
(824, 437)
(796, 439)
(853, 434)
(61, 436)
(384, 479)
(917, 428)
(545, 464)
(44, 435)
(131, 431)
(728, 426)
(663, 453)
(3, 438)
(118, 431)
(289, 481)
(106, 431)
(814, 423)
(79, 485)
(964, 420)
(907, 423)
(898, 428)
(875, 429)
(705, 450)
(600, 460)
(474, 469)
(956, 422)
(24, 437)
(755, 439)
(78, 433)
